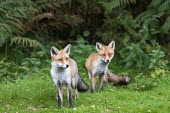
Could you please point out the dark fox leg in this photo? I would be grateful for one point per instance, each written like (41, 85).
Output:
(101, 79)
(59, 96)
(69, 95)
(93, 83)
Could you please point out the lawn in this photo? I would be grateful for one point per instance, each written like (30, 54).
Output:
(37, 94)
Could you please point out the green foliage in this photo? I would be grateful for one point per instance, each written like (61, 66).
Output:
(158, 66)
(31, 23)
(26, 26)
(137, 47)
(156, 16)
(114, 27)
(10, 18)
(37, 65)
(134, 56)
(112, 4)
(26, 42)
(80, 51)
(143, 82)
(9, 71)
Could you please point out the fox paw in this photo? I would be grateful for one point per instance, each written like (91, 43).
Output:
(76, 96)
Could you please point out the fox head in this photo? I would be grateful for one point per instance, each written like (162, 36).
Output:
(60, 58)
(106, 52)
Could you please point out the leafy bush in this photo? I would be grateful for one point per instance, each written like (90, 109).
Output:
(142, 82)
(37, 64)
(9, 71)
(158, 65)
(40, 24)
(134, 56)
(156, 16)
(80, 52)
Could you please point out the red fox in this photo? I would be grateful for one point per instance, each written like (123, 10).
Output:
(97, 63)
(64, 71)
(116, 79)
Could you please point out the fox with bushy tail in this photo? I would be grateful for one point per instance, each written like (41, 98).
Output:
(64, 72)
(97, 63)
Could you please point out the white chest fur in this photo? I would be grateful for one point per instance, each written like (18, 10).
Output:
(61, 75)
(100, 67)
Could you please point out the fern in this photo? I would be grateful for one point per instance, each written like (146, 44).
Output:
(166, 25)
(26, 42)
(10, 25)
(109, 6)
(156, 10)
(164, 6)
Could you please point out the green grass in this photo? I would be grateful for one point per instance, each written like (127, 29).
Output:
(37, 94)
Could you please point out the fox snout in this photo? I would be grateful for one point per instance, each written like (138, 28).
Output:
(67, 65)
(106, 60)
(63, 65)
(106, 57)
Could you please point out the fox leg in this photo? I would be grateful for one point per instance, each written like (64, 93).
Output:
(93, 83)
(105, 78)
(76, 93)
(89, 76)
(69, 95)
(59, 96)
(101, 79)
(74, 84)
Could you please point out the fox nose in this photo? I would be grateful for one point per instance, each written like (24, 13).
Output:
(67, 65)
(107, 60)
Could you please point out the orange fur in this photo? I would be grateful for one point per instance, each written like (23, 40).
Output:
(97, 63)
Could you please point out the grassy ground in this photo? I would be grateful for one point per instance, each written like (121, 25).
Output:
(37, 94)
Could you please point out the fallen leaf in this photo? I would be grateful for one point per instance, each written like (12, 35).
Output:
(93, 106)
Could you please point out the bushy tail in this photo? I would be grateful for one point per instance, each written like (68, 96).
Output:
(118, 80)
(82, 86)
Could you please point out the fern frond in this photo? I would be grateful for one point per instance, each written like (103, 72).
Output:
(109, 6)
(2, 11)
(40, 17)
(126, 2)
(154, 3)
(144, 16)
(14, 24)
(166, 26)
(2, 40)
(5, 28)
(26, 42)
(164, 6)
(156, 10)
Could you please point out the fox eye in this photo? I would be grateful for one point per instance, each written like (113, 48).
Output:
(110, 54)
(103, 54)
(60, 59)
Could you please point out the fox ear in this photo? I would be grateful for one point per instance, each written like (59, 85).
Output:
(67, 48)
(112, 44)
(98, 46)
(53, 51)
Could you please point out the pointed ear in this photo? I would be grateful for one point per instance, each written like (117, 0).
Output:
(112, 44)
(98, 46)
(53, 51)
(67, 48)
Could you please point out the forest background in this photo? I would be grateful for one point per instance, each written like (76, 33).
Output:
(140, 28)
